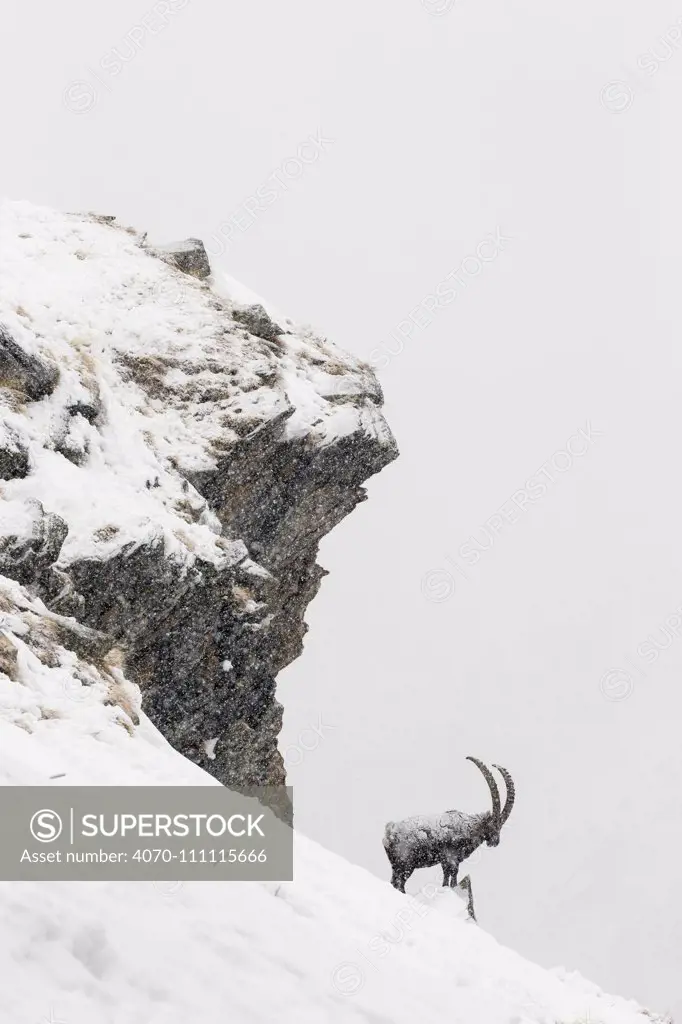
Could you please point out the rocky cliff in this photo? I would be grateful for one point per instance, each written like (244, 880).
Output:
(170, 458)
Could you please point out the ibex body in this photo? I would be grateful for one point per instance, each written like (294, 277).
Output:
(446, 839)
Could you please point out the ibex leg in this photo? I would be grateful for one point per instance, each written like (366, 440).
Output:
(450, 866)
(398, 879)
(466, 885)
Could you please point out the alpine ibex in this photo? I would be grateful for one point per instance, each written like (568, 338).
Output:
(447, 839)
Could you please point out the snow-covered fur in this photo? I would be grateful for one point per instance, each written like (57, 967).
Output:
(448, 838)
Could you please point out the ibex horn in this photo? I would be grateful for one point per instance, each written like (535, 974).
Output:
(492, 785)
(511, 793)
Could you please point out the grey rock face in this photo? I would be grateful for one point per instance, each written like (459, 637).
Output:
(205, 646)
(257, 321)
(189, 256)
(25, 372)
(14, 461)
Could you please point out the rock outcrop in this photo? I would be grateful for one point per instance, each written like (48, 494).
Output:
(168, 485)
(189, 256)
(24, 372)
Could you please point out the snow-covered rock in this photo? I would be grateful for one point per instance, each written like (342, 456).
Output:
(171, 453)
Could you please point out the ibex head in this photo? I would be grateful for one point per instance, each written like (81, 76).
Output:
(493, 821)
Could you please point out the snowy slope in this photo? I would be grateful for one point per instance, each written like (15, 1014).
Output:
(336, 945)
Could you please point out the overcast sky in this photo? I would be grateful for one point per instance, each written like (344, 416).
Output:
(526, 154)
